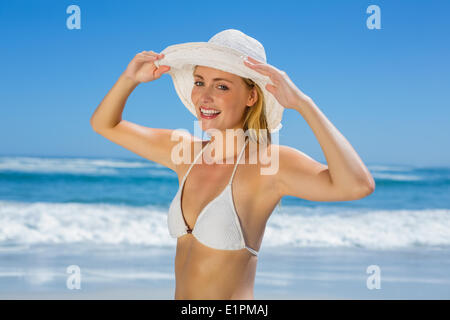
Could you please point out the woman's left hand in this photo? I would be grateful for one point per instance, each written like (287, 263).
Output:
(284, 90)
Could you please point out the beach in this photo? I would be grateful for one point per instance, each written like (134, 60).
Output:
(284, 273)
(107, 218)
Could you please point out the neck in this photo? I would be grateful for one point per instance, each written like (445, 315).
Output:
(225, 148)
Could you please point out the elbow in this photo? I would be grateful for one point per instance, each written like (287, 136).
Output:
(366, 186)
(370, 185)
(97, 127)
(365, 189)
(91, 121)
(369, 189)
(94, 126)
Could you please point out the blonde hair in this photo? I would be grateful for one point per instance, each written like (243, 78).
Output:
(255, 118)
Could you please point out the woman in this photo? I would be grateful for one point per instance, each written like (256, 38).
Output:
(220, 212)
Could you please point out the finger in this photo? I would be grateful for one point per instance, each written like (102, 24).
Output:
(265, 71)
(249, 64)
(144, 55)
(152, 54)
(254, 60)
(266, 66)
(148, 58)
(270, 88)
(272, 72)
(252, 65)
(259, 65)
(161, 70)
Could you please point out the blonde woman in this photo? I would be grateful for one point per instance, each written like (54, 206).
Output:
(223, 203)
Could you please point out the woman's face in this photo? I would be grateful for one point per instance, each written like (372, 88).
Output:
(224, 92)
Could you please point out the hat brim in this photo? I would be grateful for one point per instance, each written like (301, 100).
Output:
(182, 58)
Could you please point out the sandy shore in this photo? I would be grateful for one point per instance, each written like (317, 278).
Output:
(283, 273)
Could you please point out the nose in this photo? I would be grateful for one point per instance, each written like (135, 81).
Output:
(206, 95)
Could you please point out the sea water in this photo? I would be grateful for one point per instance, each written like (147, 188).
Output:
(109, 217)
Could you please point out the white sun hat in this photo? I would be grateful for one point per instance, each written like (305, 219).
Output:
(225, 51)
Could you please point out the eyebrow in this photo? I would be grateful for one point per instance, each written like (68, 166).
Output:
(215, 79)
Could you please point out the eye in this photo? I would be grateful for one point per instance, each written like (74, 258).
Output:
(220, 85)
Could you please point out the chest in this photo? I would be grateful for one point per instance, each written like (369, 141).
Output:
(248, 193)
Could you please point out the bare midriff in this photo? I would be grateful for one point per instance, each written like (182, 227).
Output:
(206, 273)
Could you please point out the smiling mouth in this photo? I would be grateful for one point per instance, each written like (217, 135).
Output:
(209, 113)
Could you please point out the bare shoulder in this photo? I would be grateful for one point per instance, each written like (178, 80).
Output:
(263, 166)
(288, 154)
(285, 168)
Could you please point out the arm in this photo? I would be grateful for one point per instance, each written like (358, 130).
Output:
(109, 112)
(151, 143)
(141, 69)
(345, 178)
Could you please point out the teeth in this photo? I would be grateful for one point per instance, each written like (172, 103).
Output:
(208, 111)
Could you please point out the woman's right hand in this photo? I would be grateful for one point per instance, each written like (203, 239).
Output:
(142, 68)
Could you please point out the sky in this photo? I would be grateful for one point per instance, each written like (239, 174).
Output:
(386, 90)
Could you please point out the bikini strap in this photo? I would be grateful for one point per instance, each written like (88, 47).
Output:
(252, 250)
(195, 160)
(237, 162)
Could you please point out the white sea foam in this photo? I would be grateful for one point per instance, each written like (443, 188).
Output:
(40, 222)
(381, 229)
(112, 167)
(24, 224)
(71, 165)
(397, 177)
(391, 168)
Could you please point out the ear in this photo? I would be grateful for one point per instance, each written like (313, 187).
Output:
(253, 97)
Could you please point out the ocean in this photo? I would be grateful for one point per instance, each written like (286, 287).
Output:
(109, 218)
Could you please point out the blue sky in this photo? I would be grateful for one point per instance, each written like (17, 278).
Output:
(386, 91)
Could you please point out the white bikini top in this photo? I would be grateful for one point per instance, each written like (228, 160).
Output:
(217, 225)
